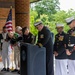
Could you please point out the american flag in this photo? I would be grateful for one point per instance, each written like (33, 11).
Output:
(8, 23)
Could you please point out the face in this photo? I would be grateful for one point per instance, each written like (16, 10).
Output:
(19, 31)
(39, 27)
(72, 25)
(59, 29)
(26, 32)
(10, 34)
(5, 30)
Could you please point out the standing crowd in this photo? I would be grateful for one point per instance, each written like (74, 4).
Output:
(62, 47)
(11, 41)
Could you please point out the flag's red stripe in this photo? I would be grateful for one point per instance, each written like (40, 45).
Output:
(9, 27)
(8, 23)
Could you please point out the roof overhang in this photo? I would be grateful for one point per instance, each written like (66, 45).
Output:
(31, 1)
(7, 4)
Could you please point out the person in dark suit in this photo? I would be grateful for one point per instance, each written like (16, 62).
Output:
(70, 45)
(59, 51)
(45, 40)
(27, 36)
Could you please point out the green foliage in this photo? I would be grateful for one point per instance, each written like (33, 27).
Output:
(33, 15)
(46, 7)
(59, 16)
(48, 12)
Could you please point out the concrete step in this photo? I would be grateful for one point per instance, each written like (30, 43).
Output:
(8, 73)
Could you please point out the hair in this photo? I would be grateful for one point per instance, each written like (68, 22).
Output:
(24, 29)
(18, 28)
(4, 27)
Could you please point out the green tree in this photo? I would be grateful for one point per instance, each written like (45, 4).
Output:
(33, 15)
(58, 17)
(47, 7)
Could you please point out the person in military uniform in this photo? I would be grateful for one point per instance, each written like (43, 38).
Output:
(45, 40)
(70, 45)
(28, 37)
(60, 51)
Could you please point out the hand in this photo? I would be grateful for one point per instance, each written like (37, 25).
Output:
(55, 53)
(68, 52)
(39, 44)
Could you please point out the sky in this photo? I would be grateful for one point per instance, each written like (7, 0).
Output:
(67, 4)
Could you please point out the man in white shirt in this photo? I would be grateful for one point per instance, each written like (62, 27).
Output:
(2, 39)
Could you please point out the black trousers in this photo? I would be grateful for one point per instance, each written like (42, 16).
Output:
(49, 64)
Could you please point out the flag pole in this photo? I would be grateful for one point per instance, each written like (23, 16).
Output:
(10, 7)
(12, 53)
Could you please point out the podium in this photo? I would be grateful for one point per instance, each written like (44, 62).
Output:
(33, 60)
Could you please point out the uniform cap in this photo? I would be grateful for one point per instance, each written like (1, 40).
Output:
(69, 20)
(38, 23)
(59, 25)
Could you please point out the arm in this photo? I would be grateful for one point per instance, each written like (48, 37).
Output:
(47, 36)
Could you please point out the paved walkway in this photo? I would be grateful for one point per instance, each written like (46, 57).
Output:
(6, 73)
(1, 66)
